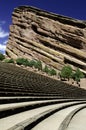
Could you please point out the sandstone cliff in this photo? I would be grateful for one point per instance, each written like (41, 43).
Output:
(56, 40)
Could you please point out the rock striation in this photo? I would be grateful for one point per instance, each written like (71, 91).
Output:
(54, 39)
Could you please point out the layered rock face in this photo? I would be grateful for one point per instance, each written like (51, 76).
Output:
(55, 40)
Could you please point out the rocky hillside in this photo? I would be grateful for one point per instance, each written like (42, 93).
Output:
(56, 40)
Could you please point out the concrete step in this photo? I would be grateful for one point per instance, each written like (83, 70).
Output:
(10, 93)
(78, 122)
(16, 99)
(67, 121)
(13, 105)
(13, 108)
(54, 121)
(34, 116)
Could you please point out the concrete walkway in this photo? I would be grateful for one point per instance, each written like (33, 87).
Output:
(53, 122)
(78, 122)
(10, 121)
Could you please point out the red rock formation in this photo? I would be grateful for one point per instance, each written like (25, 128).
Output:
(56, 40)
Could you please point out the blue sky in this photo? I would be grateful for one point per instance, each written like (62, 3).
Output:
(71, 8)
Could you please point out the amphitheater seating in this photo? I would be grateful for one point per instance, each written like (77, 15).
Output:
(19, 82)
(26, 114)
(28, 98)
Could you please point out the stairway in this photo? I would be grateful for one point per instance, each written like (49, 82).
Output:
(29, 114)
(30, 101)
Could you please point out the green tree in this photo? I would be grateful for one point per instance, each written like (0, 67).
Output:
(2, 57)
(52, 72)
(9, 60)
(38, 65)
(32, 63)
(78, 75)
(22, 61)
(66, 72)
(46, 69)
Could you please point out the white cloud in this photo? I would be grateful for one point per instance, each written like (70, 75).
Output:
(2, 47)
(3, 34)
(3, 37)
(5, 42)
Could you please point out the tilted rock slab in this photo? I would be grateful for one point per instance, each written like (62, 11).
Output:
(54, 39)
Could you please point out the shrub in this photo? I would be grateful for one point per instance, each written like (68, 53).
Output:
(78, 75)
(38, 65)
(2, 57)
(26, 62)
(52, 72)
(32, 63)
(22, 61)
(9, 60)
(66, 72)
(46, 69)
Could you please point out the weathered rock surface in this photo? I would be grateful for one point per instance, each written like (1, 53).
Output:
(56, 40)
